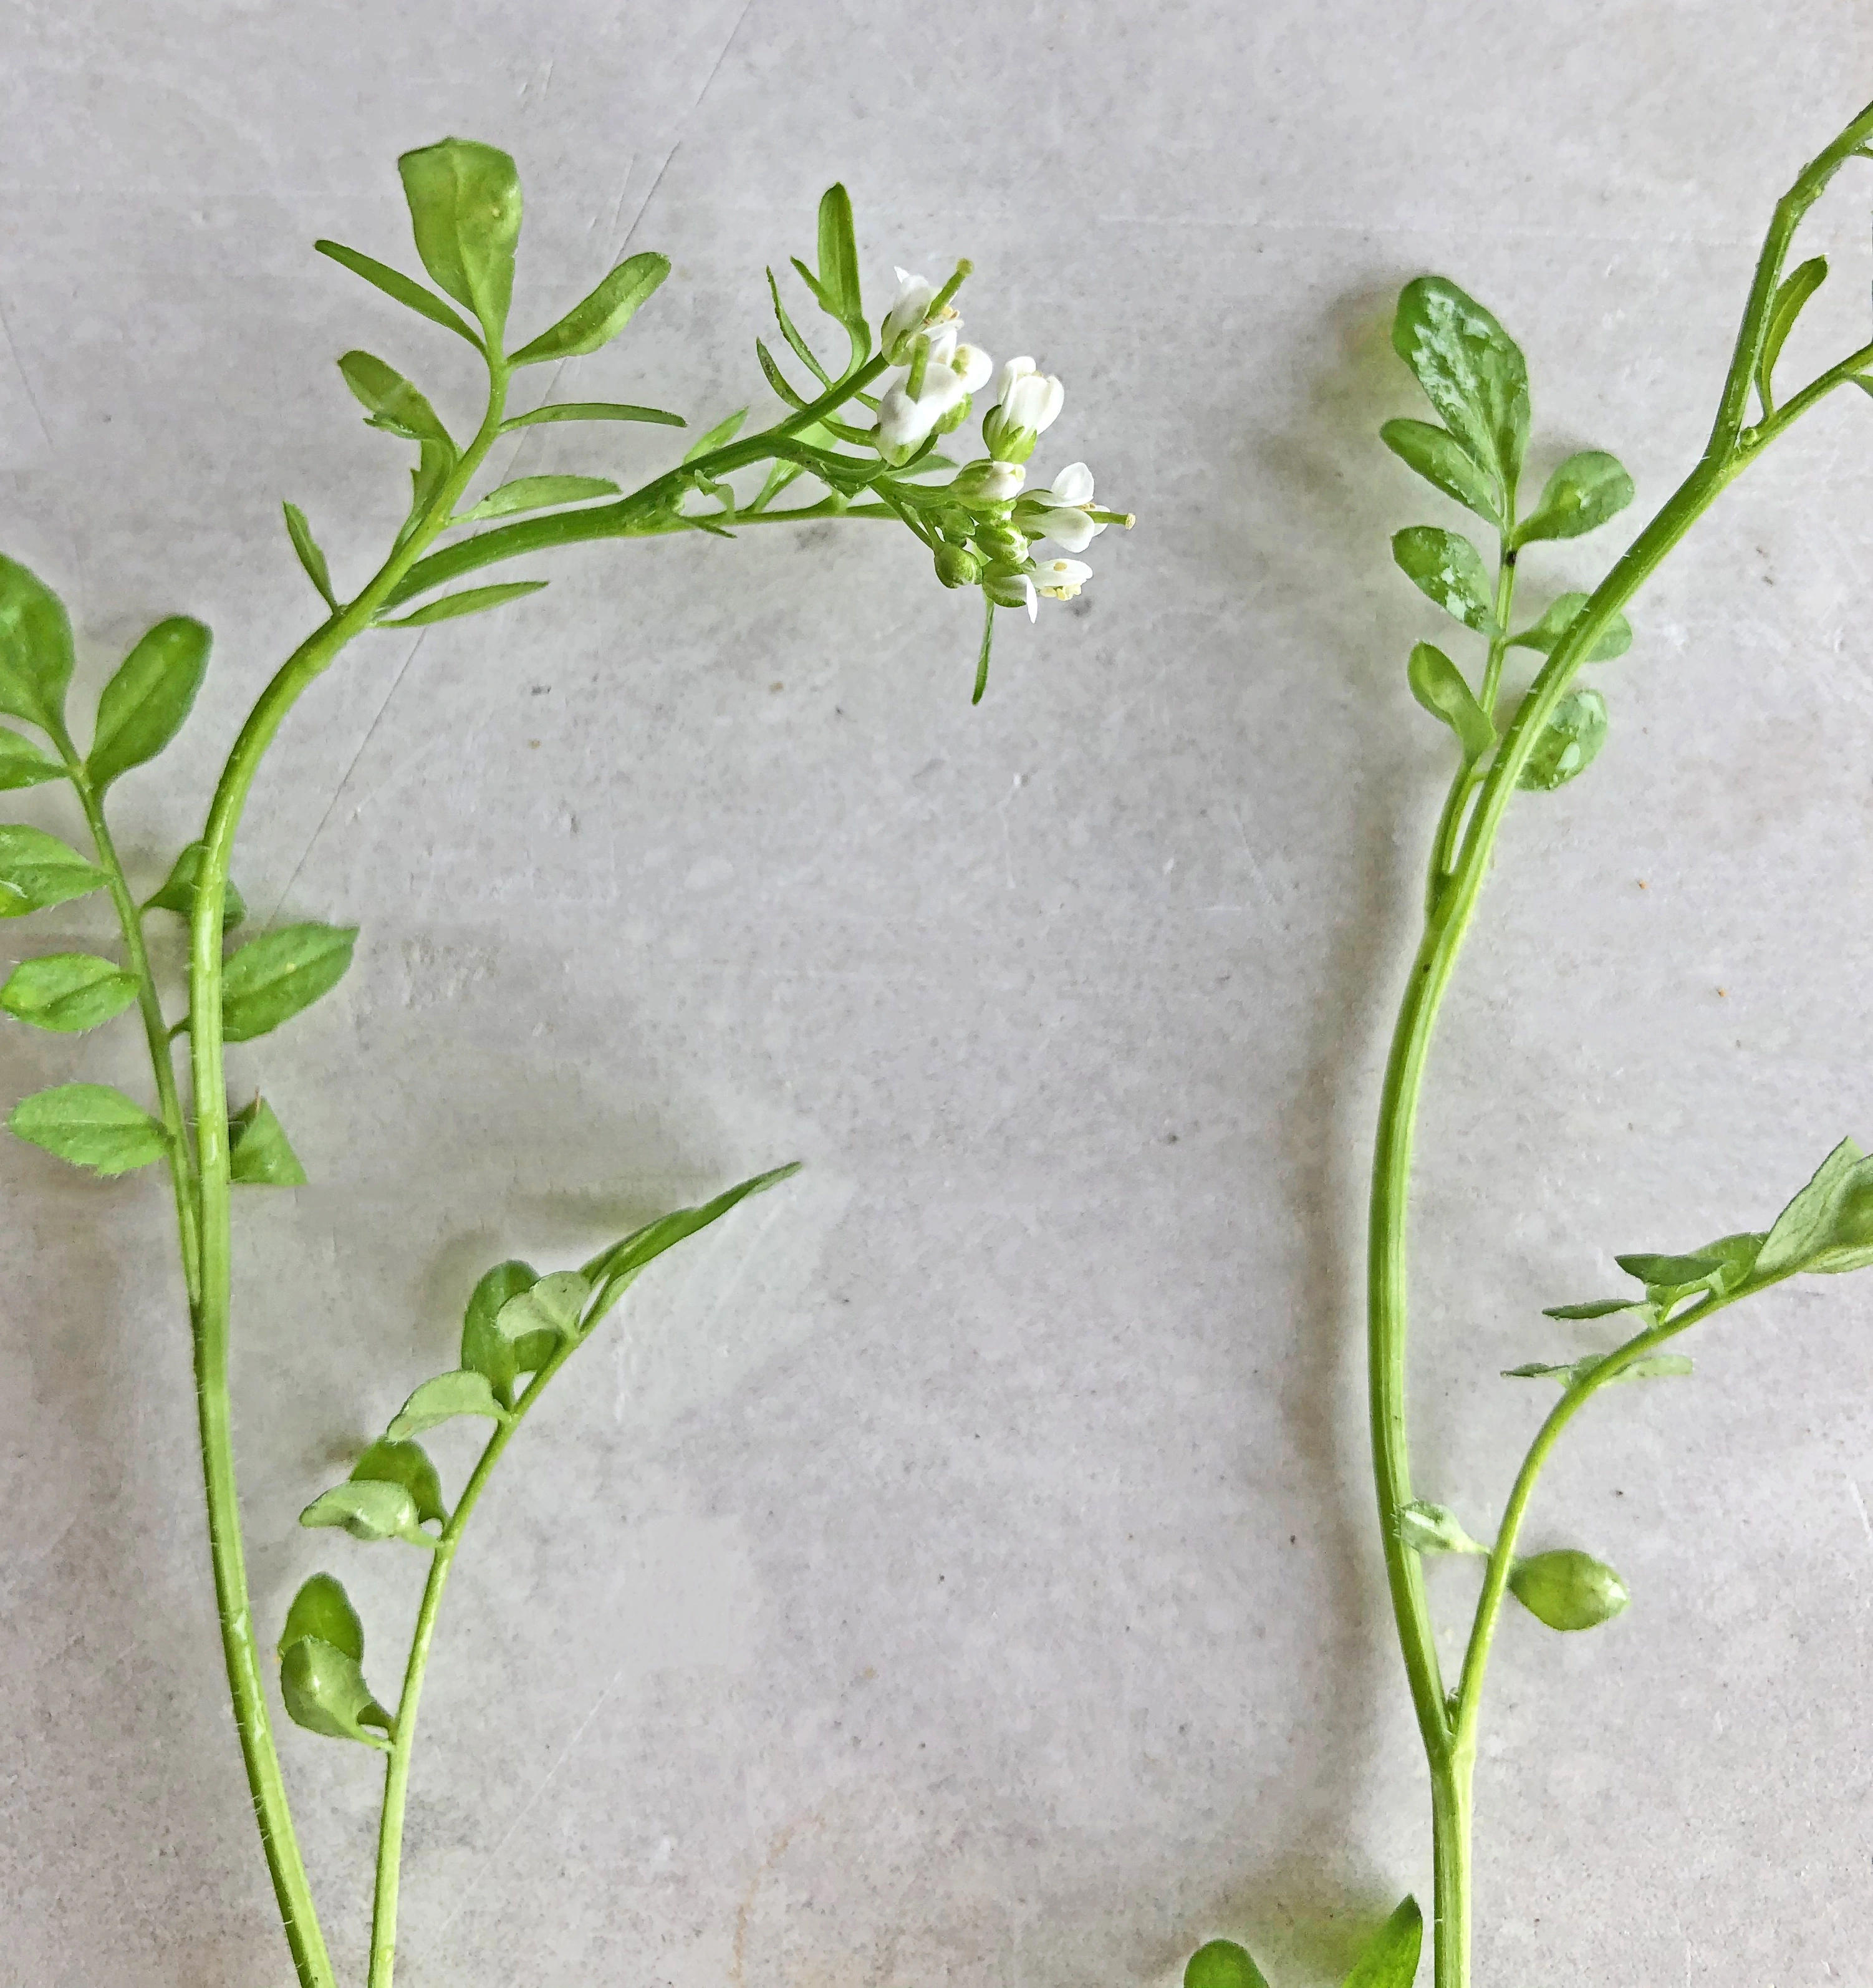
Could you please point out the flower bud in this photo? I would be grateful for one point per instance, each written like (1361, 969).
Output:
(977, 484)
(1426, 1528)
(1003, 541)
(1008, 586)
(956, 565)
(1568, 1589)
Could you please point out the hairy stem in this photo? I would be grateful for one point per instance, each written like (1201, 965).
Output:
(1448, 1742)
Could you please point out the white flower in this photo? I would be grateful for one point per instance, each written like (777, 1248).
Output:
(1061, 579)
(904, 422)
(909, 308)
(1013, 369)
(1061, 514)
(943, 342)
(1033, 401)
(973, 366)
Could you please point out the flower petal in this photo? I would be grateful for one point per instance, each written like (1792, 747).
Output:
(1074, 485)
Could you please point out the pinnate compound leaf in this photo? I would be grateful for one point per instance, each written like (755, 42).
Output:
(1439, 685)
(1569, 744)
(67, 991)
(22, 764)
(178, 893)
(594, 410)
(1580, 496)
(1426, 1528)
(611, 1270)
(407, 1464)
(442, 1399)
(259, 1153)
(473, 600)
(724, 431)
(145, 703)
(1567, 1589)
(1828, 1227)
(324, 1690)
(1221, 1963)
(35, 648)
(598, 319)
(484, 1349)
(91, 1125)
(274, 977)
(323, 1608)
(370, 1510)
(37, 871)
(464, 209)
(1391, 1958)
(1442, 461)
(392, 403)
(1792, 294)
(395, 283)
(1471, 371)
(310, 557)
(1447, 568)
(536, 493)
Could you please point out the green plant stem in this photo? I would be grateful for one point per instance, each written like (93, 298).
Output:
(150, 1007)
(396, 1767)
(1448, 1742)
(395, 580)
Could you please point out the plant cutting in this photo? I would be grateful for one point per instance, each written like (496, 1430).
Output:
(1516, 735)
(856, 437)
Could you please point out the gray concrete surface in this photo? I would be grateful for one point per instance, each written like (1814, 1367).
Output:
(959, 1568)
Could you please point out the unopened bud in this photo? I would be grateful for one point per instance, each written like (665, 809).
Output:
(957, 565)
(977, 484)
(1435, 1529)
(1009, 586)
(1568, 1589)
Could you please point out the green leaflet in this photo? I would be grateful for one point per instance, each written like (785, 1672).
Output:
(395, 283)
(536, 493)
(324, 1690)
(1570, 742)
(1439, 685)
(550, 1305)
(274, 977)
(790, 332)
(67, 991)
(1448, 568)
(598, 319)
(178, 893)
(1653, 1366)
(35, 648)
(370, 1510)
(91, 1125)
(259, 1153)
(1391, 1958)
(1471, 372)
(407, 1464)
(838, 253)
(392, 403)
(1426, 1528)
(611, 1270)
(1792, 294)
(1828, 1227)
(1593, 1308)
(1442, 461)
(310, 557)
(321, 1608)
(594, 411)
(22, 764)
(443, 1398)
(1222, 1964)
(37, 871)
(1568, 1590)
(1613, 639)
(1580, 496)
(146, 703)
(464, 211)
(724, 431)
(484, 1349)
(472, 600)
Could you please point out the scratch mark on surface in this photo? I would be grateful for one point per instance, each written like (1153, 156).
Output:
(1860, 1506)
(19, 366)
(559, 1760)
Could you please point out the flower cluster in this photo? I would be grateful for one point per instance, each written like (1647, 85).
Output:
(981, 525)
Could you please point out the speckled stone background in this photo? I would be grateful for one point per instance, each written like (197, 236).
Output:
(958, 1567)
